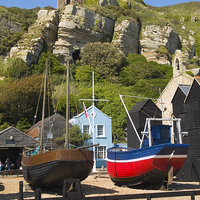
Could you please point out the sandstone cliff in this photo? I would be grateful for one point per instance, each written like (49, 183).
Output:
(30, 46)
(79, 26)
(126, 37)
(153, 37)
(68, 31)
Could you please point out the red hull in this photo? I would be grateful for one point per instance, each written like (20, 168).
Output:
(147, 165)
(139, 168)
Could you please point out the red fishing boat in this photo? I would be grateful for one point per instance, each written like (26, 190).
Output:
(152, 162)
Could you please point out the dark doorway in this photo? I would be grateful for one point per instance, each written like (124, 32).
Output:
(75, 55)
(13, 153)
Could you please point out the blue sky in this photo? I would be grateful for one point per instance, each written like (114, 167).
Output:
(159, 3)
(28, 4)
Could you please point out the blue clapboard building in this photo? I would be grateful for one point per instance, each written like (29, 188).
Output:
(102, 131)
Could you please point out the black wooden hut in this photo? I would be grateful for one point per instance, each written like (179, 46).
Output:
(12, 143)
(191, 169)
(54, 127)
(179, 107)
(139, 112)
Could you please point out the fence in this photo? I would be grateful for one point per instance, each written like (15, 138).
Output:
(78, 195)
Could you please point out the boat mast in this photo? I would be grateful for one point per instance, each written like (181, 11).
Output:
(43, 109)
(93, 116)
(67, 109)
(120, 96)
(94, 166)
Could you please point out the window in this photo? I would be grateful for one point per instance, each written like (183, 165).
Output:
(100, 152)
(86, 129)
(12, 141)
(100, 130)
(49, 135)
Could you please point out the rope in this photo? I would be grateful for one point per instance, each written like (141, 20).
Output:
(50, 78)
(154, 112)
(49, 113)
(56, 106)
(35, 116)
(74, 92)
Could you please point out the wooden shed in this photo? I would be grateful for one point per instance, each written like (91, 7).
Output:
(54, 127)
(179, 107)
(12, 143)
(191, 168)
(139, 112)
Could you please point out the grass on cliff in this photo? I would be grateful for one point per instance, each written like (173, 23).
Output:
(23, 16)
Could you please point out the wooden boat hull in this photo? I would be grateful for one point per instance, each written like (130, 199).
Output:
(148, 165)
(53, 167)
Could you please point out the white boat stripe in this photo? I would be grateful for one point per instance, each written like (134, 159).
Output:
(146, 158)
(167, 156)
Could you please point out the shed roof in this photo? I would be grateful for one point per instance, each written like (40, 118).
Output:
(15, 131)
(197, 80)
(139, 105)
(46, 120)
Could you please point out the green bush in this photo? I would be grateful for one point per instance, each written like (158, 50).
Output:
(84, 74)
(92, 2)
(14, 68)
(140, 1)
(76, 138)
(9, 41)
(56, 67)
(108, 60)
(189, 73)
(123, 4)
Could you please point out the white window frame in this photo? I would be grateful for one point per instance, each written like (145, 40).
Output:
(97, 130)
(104, 152)
(88, 126)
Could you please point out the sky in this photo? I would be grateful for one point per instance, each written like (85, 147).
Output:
(28, 4)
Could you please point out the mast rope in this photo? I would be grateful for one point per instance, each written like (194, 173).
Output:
(154, 112)
(56, 106)
(74, 93)
(35, 116)
(49, 82)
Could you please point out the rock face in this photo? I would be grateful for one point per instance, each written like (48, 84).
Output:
(29, 55)
(49, 22)
(108, 2)
(45, 27)
(6, 25)
(79, 26)
(76, 26)
(153, 37)
(126, 37)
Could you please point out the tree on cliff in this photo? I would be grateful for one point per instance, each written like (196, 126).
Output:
(19, 100)
(108, 60)
(14, 68)
(139, 68)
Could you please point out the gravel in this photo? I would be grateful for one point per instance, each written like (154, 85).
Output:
(97, 184)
